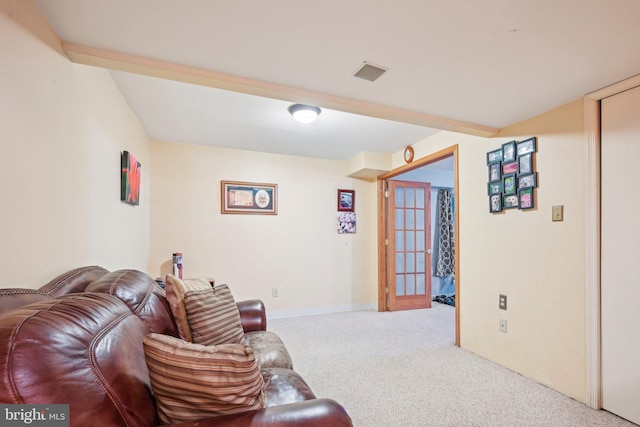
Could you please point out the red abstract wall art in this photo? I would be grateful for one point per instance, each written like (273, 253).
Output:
(130, 181)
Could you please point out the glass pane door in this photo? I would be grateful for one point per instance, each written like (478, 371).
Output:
(410, 244)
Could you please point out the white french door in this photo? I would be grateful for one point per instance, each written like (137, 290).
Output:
(409, 254)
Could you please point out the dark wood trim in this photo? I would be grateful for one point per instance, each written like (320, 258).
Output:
(382, 250)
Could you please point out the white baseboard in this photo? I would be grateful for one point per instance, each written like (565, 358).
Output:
(320, 310)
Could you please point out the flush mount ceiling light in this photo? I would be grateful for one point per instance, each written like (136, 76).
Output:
(304, 113)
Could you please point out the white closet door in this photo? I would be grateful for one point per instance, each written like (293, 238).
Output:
(621, 254)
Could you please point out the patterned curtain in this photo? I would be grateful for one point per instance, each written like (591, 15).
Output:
(445, 252)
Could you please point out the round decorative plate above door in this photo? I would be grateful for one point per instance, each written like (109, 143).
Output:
(408, 154)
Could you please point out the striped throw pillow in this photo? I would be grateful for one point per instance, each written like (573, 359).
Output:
(176, 289)
(192, 381)
(213, 316)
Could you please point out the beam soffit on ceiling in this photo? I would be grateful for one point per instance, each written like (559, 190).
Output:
(155, 68)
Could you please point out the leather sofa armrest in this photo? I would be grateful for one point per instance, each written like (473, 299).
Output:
(310, 413)
(253, 315)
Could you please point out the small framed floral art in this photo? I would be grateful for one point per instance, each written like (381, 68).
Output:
(346, 222)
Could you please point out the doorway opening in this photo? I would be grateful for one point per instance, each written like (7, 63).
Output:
(387, 254)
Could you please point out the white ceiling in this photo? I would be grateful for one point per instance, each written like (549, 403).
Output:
(488, 63)
(182, 112)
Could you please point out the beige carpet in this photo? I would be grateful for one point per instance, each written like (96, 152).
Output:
(402, 369)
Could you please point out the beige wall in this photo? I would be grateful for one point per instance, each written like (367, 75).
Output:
(297, 251)
(537, 263)
(63, 128)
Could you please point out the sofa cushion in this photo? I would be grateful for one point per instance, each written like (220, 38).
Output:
(176, 288)
(285, 386)
(73, 281)
(142, 295)
(213, 316)
(191, 381)
(13, 298)
(269, 349)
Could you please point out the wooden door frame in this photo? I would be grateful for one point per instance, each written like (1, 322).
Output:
(592, 236)
(382, 223)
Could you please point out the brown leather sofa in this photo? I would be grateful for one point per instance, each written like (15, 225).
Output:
(78, 340)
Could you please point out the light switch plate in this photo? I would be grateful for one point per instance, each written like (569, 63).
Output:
(557, 213)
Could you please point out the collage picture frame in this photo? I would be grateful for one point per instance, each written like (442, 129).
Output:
(512, 178)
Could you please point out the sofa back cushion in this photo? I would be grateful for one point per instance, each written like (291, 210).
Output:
(142, 295)
(73, 281)
(213, 316)
(82, 350)
(13, 298)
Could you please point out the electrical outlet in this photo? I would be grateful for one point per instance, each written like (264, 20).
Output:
(503, 325)
(556, 213)
(275, 292)
(502, 302)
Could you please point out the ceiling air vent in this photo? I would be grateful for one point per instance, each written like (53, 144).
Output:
(369, 72)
